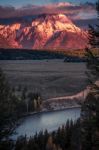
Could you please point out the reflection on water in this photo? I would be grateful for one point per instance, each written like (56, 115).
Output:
(50, 121)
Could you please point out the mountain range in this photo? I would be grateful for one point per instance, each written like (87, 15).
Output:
(47, 31)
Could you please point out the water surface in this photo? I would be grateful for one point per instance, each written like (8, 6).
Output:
(49, 120)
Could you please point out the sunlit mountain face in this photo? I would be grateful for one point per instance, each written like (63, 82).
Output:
(52, 25)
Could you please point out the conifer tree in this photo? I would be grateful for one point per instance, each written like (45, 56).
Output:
(90, 108)
(4, 101)
(92, 58)
(8, 106)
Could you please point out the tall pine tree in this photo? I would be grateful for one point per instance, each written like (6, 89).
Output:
(90, 108)
(92, 57)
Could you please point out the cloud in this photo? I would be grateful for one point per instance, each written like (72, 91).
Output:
(82, 11)
(6, 11)
(85, 22)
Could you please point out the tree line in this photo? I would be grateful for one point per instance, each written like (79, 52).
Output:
(66, 137)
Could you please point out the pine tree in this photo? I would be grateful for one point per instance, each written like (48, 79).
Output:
(92, 58)
(4, 101)
(90, 108)
(9, 108)
(90, 122)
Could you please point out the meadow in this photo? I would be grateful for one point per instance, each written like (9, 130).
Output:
(50, 78)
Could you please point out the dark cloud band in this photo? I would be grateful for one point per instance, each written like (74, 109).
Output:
(73, 11)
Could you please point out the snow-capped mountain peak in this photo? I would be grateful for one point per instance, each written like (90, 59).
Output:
(47, 31)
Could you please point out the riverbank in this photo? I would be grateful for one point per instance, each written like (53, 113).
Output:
(53, 110)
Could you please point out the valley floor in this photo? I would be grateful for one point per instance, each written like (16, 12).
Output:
(51, 78)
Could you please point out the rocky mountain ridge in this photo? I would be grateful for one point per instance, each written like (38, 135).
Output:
(47, 31)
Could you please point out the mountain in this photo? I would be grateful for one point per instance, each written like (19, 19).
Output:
(47, 31)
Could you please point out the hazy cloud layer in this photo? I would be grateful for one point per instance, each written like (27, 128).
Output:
(82, 11)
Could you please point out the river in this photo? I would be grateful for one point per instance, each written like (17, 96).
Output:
(41, 121)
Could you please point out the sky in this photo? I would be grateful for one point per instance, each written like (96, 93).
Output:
(77, 10)
(20, 3)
